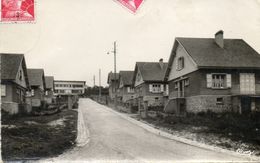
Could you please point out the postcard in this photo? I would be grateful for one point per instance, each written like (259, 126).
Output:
(130, 80)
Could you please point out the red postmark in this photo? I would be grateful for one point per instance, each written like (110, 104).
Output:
(17, 10)
(132, 5)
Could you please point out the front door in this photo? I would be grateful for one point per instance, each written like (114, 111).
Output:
(246, 104)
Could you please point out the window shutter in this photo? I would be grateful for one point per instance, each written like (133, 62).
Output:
(150, 88)
(3, 90)
(209, 80)
(229, 81)
(162, 88)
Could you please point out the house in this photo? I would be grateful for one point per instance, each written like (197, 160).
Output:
(113, 82)
(49, 92)
(14, 82)
(38, 86)
(214, 74)
(149, 84)
(126, 90)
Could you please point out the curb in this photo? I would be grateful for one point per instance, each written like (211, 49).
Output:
(150, 128)
(83, 132)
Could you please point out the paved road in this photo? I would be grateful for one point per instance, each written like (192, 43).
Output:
(114, 138)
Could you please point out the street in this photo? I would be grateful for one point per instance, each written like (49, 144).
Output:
(114, 138)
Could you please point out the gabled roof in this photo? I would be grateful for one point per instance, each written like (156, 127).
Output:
(49, 81)
(207, 54)
(36, 77)
(111, 76)
(151, 71)
(235, 54)
(127, 77)
(10, 64)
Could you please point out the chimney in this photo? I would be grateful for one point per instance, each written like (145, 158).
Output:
(219, 38)
(161, 63)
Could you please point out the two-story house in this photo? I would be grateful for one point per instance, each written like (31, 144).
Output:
(149, 84)
(14, 82)
(113, 82)
(126, 90)
(38, 86)
(214, 74)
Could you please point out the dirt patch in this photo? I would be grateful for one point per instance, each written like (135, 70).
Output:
(235, 132)
(38, 136)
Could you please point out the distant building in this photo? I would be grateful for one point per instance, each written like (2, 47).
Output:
(216, 74)
(113, 82)
(49, 92)
(38, 86)
(64, 87)
(14, 82)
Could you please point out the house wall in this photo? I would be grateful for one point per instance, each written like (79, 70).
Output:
(125, 95)
(153, 99)
(38, 97)
(49, 97)
(112, 85)
(10, 107)
(200, 98)
(189, 65)
(18, 80)
(9, 93)
(138, 79)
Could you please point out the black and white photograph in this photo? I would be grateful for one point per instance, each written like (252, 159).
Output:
(130, 81)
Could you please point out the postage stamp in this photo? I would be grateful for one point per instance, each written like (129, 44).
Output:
(17, 10)
(132, 5)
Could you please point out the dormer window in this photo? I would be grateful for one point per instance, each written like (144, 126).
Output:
(180, 63)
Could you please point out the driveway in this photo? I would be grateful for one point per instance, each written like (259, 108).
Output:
(114, 138)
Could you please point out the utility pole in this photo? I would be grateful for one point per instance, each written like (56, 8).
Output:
(99, 85)
(114, 85)
(115, 74)
(94, 81)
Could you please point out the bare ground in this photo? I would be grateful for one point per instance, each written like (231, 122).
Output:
(34, 137)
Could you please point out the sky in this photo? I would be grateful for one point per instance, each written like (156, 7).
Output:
(70, 39)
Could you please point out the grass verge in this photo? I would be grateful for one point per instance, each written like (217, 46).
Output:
(33, 137)
(240, 133)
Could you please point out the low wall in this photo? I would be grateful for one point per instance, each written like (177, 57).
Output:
(204, 103)
(10, 107)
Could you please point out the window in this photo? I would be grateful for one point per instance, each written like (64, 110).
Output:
(176, 85)
(247, 83)
(167, 89)
(186, 82)
(46, 93)
(20, 75)
(180, 63)
(130, 90)
(3, 90)
(220, 101)
(32, 92)
(156, 88)
(218, 81)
